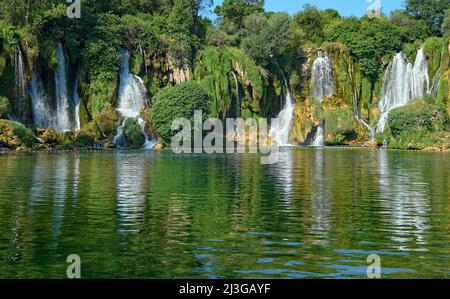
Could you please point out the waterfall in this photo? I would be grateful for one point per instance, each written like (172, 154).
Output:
(19, 74)
(62, 101)
(238, 99)
(322, 77)
(322, 87)
(319, 140)
(402, 83)
(42, 111)
(281, 126)
(76, 104)
(132, 98)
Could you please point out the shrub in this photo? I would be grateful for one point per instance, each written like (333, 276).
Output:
(133, 133)
(417, 115)
(179, 101)
(5, 107)
(24, 136)
(84, 138)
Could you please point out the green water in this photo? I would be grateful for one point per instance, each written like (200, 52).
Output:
(318, 213)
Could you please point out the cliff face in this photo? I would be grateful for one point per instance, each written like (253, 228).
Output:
(238, 86)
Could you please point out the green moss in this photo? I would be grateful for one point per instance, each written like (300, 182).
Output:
(84, 138)
(418, 125)
(443, 92)
(14, 134)
(5, 107)
(107, 121)
(340, 125)
(133, 133)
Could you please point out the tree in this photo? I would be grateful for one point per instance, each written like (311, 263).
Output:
(265, 38)
(235, 11)
(412, 29)
(311, 23)
(445, 29)
(179, 101)
(431, 11)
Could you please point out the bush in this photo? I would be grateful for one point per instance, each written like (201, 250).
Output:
(5, 107)
(133, 133)
(179, 101)
(24, 136)
(107, 121)
(13, 134)
(417, 115)
(84, 138)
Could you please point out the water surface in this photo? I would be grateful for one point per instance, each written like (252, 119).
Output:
(318, 213)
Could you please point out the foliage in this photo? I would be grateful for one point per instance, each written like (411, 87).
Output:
(369, 40)
(265, 37)
(133, 133)
(179, 101)
(445, 28)
(417, 115)
(431, 11)
(5, 107)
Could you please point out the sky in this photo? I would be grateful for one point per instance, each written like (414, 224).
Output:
(344, 7)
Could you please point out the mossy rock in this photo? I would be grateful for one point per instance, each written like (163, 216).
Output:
(107, 121)
(5, 107)
(51, 137)
(419, 125)
(15, 135)
(84, 138)
(307, 115)
(340, 125)
(133, 133)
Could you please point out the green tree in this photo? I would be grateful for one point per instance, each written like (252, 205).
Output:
(431, 11)
(179, 101)
(266, 37)
(445, 29)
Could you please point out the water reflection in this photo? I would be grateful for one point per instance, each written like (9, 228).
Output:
(405, 201)
(131, 191)
(320, 200)
(317, 213)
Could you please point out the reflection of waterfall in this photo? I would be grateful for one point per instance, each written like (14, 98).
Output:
(321, 204)
(281, 126)
(322, 86)
(42, 111)
(322, 78)
(284, 172)
(131, 196)
(61, 179)
(405, 200)
(402, 83)
(62, 101)
(76, 104)
(132, 98)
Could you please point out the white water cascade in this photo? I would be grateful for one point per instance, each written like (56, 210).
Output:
(61, 98)
(281, 126)
(42, 111)
(322, 77)
(238, 99)
(132, 98)
(322, 87)
(19, 73)
(76, 104)
(402, 83)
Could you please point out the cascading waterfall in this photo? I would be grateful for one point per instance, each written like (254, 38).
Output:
(322, 77)
(281, 126)
(62, 101)
(19, 73)
(132, 98)
(238, 99)
(322, 87)
(42, 111)
(402, 83)
(76, 104)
